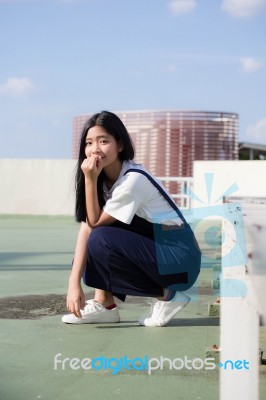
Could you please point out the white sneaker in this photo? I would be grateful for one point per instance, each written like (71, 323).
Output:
(93, 313)
(164, 311)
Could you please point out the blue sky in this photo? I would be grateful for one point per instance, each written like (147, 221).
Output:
(62, 58)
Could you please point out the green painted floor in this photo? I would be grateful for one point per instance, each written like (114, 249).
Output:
(35, 259)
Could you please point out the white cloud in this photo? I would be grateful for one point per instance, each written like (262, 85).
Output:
(17, 87)
(249, 64)
(243, 8)
(178, 7)
(257, 132)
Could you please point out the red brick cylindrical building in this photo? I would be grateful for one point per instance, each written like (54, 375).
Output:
(168, 141)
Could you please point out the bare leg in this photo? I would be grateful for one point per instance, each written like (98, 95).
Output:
(107, 299)
(104, 297)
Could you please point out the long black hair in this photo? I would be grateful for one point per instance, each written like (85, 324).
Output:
(115, 127)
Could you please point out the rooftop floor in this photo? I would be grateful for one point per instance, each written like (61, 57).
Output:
(35, 259)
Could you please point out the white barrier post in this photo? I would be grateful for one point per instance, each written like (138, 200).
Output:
(240, 310)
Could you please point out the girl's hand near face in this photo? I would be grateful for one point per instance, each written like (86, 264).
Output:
(92, 167)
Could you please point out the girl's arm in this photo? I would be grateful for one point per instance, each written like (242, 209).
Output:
(91, 168)
(75, 294)
(96, 217)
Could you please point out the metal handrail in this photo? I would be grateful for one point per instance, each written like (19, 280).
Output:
(184, 186)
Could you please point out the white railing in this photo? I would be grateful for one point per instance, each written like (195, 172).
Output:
(181, 193)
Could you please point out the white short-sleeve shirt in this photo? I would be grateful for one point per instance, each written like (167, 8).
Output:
(133, 193)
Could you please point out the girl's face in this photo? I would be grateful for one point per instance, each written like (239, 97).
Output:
(101, 144)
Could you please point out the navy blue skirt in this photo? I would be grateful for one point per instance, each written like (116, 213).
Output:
(142, 259)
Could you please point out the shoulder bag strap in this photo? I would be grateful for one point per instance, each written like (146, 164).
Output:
(163, 193)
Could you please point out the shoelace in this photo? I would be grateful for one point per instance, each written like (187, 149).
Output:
(156, 309)
(91, 305)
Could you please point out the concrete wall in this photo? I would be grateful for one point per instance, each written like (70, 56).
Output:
(212, 179)
(46, 187)
(37, 187)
